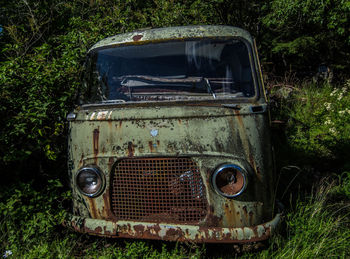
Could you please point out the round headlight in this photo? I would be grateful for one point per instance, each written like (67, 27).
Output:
(229, 180)
(90, 181)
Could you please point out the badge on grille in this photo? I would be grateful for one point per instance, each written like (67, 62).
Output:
(154, 132)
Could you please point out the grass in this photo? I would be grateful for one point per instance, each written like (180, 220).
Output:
(315, 226)
(316, 222)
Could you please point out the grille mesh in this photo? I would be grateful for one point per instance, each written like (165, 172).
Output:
(158, 190)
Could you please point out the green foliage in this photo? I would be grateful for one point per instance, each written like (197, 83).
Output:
(317, 227)
(344, 187)
(140, 249)
(29, 216)
(306, 33)
(320, 125)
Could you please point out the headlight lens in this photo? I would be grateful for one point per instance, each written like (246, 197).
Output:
(229, 180)
(90, 181)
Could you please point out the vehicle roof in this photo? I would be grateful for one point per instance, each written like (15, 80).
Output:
(171, 33)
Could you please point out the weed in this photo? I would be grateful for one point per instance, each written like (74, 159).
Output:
(314, 229)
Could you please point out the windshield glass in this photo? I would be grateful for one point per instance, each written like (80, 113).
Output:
(176, 70)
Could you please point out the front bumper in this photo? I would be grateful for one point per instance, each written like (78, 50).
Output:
(169, 232)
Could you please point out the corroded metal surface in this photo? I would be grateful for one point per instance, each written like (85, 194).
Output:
(158, 190)
(161, 34)
(180, 233)
(209, 133)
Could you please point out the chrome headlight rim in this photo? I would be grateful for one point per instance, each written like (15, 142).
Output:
(226, 166)
(99, 173)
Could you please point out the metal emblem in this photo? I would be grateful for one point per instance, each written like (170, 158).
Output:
(154, 132)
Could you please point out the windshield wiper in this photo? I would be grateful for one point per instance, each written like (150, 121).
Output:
(210, 90)
(176, 79)
(144, 80)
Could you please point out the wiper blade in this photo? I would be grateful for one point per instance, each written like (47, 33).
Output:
(210, 90)
(113, 101)
(142, 80)
(182, 79)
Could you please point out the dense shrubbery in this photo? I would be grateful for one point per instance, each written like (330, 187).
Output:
(306, 33)
(317, 121)
(30, 216)
(320, 122)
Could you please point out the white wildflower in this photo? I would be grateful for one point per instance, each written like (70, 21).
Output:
(7, 253)
(340, 96)
(333, 131)
(344, 89)
(328, 122)
(328, 106)
(345, 111)
(334, 92)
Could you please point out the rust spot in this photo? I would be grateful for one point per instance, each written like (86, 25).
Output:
(107, 212)
(81, 160)
(239, 117)
(92, 208)
(130, 149)
(106, 232)
(245, 211)
(213, 220)
(258, 173)
(174, 233)
(98, 230)
(230, 214)
(251, 217)
(252, 161)
(120, 125)
(96, 135)
(150, 145)
(110, 163)
(139, 228)
(137, 37)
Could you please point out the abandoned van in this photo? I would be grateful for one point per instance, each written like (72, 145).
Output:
(171, 139)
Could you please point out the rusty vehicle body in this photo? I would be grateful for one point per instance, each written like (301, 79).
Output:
(171, 139)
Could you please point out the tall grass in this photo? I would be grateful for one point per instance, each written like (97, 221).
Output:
(318, 226)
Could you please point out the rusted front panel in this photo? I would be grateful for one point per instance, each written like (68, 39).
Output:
(208, 135)
(174, 232)
(158, 190)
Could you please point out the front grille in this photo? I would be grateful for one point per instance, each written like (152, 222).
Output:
(165, 190)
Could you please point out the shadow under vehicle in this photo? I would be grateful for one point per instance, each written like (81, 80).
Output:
(171, 138)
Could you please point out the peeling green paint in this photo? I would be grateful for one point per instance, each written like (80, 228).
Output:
(173, 33)
(209, 133)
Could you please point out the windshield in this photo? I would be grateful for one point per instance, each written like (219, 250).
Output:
(176, 70)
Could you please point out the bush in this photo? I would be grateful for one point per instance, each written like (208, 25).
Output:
(316, 227)
(29, 216)
(320, 122)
